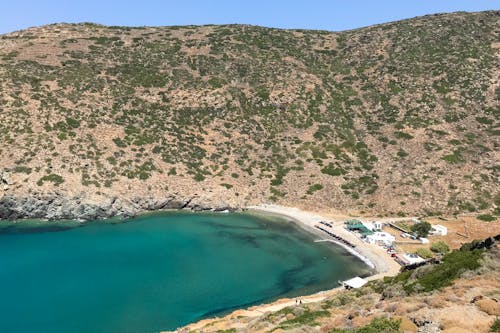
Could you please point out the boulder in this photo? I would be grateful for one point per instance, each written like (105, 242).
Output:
(490, 306)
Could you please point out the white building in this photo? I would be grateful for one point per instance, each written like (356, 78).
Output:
(354, 283)
(373, 226)
(439, 230)
(411, 258)
(380, 237)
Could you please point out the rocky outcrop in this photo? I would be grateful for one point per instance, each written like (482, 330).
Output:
(57, 206)
(4, 180)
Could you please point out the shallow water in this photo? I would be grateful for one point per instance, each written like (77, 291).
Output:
(156, 272)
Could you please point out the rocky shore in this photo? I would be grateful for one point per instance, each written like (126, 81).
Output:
(58, 206)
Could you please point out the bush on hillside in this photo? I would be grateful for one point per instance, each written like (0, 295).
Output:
(421, 229)
(377, 325)
(495, 327)
(486, 217)
(440, 247)
(424, 253)
(433, 277)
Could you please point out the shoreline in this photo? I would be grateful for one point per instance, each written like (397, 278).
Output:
(372, 255)
(270, 210)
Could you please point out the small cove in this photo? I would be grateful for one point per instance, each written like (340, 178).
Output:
(157, 271)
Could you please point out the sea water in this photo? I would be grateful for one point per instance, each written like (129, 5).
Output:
(156, 272)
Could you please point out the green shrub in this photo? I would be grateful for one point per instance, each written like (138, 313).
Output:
(262, 92)
(421, 229)
(119, 142)
(403, 135)
(276, 193)
(331, 170)
(402, 153)
(454, 158)
(484, 120)
(199, 177)
(314, 188)
(216, 82)
(56, 179)
(111, 160)
(377, 325)
(72, 123)
(438, 276)
(440, 247)
(231, 330)
(280, 174)
(452, 267)
(495, 327)
(306, 318)
(424, 253)
(22, 169)
(486, 217)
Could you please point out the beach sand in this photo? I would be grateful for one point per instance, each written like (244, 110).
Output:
(375, 256)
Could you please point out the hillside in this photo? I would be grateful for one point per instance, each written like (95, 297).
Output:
(400, 118)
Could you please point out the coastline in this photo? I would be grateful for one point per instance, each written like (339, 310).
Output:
(372, 255)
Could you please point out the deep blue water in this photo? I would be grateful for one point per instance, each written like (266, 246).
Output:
(155, 272)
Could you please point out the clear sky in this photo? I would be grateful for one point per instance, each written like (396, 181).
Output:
(333, 15)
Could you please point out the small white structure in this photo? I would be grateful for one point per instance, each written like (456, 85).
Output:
(368, 225)
(380, 237)
(354, 283)
(424, 240)
(373, 226)
(412, 258)
(439, 230)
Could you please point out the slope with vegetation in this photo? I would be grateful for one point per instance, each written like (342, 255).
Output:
(400, 118)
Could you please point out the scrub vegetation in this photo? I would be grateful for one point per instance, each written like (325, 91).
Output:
(363, 119)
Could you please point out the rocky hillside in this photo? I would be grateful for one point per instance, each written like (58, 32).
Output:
(400, 118)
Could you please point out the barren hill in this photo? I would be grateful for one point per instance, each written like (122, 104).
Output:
(400, 118)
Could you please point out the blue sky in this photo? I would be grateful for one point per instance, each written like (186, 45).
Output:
(334, 15)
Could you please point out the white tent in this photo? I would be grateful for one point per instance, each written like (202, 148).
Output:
(439, 229)
(380, 237)
(411, 258)
(424, 240)
(373, 226)
(356, 282)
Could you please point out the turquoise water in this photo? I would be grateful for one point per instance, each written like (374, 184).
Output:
(155, 272)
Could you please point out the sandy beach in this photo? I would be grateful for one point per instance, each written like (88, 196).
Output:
(375, 256)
